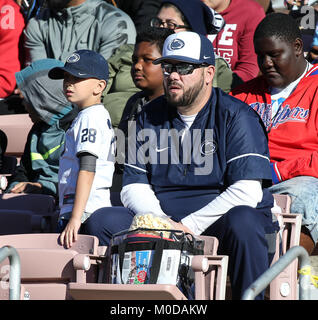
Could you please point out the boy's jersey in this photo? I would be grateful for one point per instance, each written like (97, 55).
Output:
(292, 132)
(90, 132)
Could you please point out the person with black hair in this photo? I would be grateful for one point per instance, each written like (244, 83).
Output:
(146, 76)
(149, 79)
(285, 97)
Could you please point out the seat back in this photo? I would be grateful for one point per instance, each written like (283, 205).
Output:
(26, 213)
(38, 203)
(44, 272)
(16, 127)
(47, 267)
(283, 201)
(284, 286)
(85, 244)
(21, 221)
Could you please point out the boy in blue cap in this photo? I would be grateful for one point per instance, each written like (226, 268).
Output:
(87, 164)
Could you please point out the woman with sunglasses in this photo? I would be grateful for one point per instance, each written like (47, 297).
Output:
(197, 17)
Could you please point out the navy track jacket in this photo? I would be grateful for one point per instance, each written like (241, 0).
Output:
(227, 142)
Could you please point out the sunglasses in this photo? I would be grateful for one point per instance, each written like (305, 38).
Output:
(157, 23)
(181, 68)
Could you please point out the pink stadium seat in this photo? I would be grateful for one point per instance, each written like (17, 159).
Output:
(16, 127)
(47, 267)
(284, 286)
(85, 244)
(283, 201)
(49, 271)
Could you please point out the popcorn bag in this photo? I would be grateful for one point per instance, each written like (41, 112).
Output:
(152, 252)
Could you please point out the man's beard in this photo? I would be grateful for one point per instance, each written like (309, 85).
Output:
(57, 5)
(188, 96)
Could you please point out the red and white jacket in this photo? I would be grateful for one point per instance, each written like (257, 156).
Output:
(293, 132)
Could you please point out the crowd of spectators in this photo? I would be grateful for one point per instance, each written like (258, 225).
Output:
(262, 55)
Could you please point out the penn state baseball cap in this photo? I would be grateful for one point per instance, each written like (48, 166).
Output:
(187, 46)
(83, 64)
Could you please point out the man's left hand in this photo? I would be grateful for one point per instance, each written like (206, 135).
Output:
(180, 226)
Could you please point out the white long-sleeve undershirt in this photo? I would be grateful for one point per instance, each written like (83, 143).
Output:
(141, 198)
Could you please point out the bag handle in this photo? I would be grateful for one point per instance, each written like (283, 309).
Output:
(156, 261)
(121, 254)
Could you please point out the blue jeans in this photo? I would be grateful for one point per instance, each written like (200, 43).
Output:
(303, 191)
(103, 223)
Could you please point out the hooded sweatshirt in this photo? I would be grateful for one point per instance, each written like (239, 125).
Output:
(199, 16)
(54, 114)
(206, 21)
(94, 25)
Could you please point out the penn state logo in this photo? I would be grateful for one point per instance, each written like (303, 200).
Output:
(176, 44)
(208, 147)
(73, 58)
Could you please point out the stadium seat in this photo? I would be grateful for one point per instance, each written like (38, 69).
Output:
(16, 127)
(284, 286)
(47, 267)
(26, 213)
(210, 282)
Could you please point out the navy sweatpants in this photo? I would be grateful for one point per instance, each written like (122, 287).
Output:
(104, 223)
(247, 236)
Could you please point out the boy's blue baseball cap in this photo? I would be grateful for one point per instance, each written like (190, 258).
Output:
(83, 64)
(187, 46)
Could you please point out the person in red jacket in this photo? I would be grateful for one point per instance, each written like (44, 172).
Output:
(11, 26)
(286, 98)
(235, 42)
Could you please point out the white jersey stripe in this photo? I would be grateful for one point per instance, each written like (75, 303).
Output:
(247, 155)
(130, 165)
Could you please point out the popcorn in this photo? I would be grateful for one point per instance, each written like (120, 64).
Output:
(151, 221)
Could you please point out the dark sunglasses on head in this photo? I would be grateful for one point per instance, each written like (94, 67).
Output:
(158, 23)
(181, 68)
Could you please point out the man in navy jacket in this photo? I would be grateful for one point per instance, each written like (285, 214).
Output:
(201, 158)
